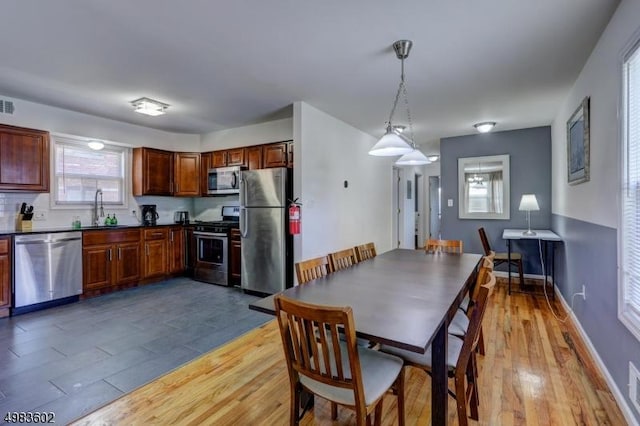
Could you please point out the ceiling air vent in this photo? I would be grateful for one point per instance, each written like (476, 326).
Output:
(6, 107)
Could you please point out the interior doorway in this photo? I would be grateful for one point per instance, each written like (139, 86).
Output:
(434, 207)
(419, 197)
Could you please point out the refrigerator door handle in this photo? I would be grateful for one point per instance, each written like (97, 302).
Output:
(243, 222)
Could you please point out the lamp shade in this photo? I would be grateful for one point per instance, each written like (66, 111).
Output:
(414, 158)
(529, 202)
(390, 144)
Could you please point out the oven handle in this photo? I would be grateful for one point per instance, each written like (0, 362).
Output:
(209, 234)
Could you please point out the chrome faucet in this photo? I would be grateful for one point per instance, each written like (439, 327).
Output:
(97, 214)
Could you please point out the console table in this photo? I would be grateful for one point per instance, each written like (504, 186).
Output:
(546, 236)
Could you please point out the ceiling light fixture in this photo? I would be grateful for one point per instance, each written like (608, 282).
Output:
(149, 106)
(398, 128)
(433, 158)
(95, 145)
(392, 143)
(485, 127)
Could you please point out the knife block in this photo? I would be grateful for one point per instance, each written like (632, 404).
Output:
(23, 225)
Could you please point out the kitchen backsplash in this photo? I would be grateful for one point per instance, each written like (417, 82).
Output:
(45, 217)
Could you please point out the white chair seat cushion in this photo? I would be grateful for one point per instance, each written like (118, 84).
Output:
(464, 305)
(459, 324)
(453, 353)
(379, 372)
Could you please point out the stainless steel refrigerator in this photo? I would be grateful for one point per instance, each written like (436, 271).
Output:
(266, 244)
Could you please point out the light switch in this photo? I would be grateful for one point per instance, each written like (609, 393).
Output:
(450, 202)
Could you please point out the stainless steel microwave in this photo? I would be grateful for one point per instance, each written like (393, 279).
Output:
(223, 180)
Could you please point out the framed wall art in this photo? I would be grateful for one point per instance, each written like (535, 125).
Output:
(578, 144)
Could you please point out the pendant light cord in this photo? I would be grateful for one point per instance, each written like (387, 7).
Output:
(402, 88)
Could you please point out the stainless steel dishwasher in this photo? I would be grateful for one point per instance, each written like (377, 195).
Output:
(47, 269)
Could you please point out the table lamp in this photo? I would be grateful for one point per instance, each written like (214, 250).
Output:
(528, 203)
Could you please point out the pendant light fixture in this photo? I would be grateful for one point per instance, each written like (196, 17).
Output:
(392, 143)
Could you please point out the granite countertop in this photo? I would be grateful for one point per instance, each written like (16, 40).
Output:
(85, 228)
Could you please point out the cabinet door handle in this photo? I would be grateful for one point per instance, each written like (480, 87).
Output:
(119, 253)
(177, 187)
(110, 255)
(171, 236)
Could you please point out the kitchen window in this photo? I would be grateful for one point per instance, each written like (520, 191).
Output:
(79, 170)
(629, 234)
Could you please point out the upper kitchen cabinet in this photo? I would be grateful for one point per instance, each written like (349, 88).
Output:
(152, 172)
(275, 155)
(227, 158)
(24, 159)
(186, 174)
(254, 157)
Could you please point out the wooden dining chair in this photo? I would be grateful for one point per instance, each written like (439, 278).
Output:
(365, 251)
(500, 258)
(338, 371)
(460, 321)
(461, 362)
(342, 259)
(443, 246)
(309, 270)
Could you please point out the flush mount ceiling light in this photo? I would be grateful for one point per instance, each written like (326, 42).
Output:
(392, 143)
(95, 145)
(484, 127)
(433, 158)
(149, 106)
(398, 128)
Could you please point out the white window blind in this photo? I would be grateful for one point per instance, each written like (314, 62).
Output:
(80, 170)
(630, 197)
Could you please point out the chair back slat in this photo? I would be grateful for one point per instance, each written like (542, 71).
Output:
(485, 241)
(309, 270)
(472, 335)
(365, 251)
(312, 348)
(443, 246)
(342, 259)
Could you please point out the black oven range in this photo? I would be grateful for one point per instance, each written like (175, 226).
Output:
(211, 242)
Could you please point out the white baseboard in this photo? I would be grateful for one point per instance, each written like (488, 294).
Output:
(619, 396)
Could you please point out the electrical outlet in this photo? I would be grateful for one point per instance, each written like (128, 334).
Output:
(133, 213)
(39, 216)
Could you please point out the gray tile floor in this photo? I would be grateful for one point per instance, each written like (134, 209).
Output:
(75, 358)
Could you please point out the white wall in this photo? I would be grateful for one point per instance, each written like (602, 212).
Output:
(328, 152)
(271, 131)
(600, 79)
(57, 120)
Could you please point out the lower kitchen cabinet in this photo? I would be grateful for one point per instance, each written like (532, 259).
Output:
(110, 259)
(235, 257)
(5, 276)
(155, 252)
(176, 250)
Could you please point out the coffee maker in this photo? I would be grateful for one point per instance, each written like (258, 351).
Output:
(149, 215)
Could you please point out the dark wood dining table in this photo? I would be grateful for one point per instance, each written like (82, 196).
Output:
(402, 298)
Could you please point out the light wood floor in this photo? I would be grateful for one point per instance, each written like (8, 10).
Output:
(536, 372)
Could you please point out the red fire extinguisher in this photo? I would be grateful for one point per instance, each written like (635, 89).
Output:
(294, 217)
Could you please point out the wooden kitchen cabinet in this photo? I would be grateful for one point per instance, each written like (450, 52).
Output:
(155, 252)
(24, 160)
(110, 260)
(186, 174)
(254, 157)
(5, 276)
(235, 257)
(228, 158)
(152, 172)
(205, 165)
(176, 250)
(290, 154)
(274, 155)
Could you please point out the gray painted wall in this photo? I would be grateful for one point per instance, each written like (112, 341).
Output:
(530, 160)
(588, 255)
